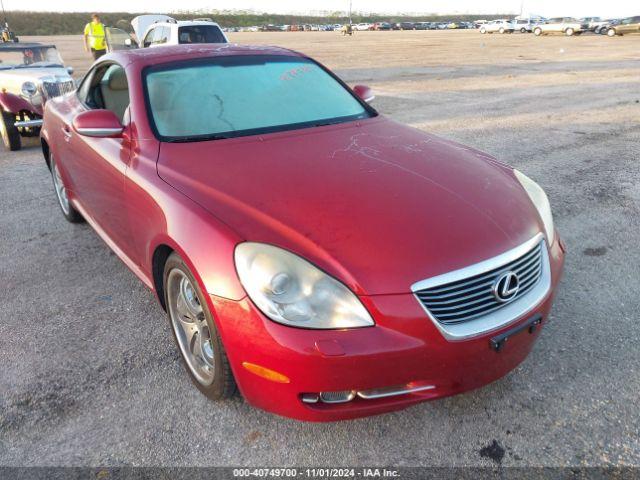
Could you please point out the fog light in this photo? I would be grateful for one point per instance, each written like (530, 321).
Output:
(337, 397)
(309, 397)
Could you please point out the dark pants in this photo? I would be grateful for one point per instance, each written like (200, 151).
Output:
(97, 53)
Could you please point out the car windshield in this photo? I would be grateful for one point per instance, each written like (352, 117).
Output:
(200, 34)
(242, 95)
(30, 57)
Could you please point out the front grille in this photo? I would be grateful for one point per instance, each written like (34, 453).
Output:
(56, 89)
(473, 297)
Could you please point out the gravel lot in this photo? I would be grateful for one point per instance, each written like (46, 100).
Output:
(90, 375)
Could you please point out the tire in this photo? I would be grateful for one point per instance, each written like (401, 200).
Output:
(569, 32)
(10, 135)
(523, 30)
(537, 32)
(611, 32)
(483, 31)
(195, 332)
(501, 30)
(70, 213)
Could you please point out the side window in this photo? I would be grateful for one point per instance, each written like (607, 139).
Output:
(108, 89)
(167, 34)
(157, 36)
(115, 90)
(85, 85)
(149, 37)
(164, 35)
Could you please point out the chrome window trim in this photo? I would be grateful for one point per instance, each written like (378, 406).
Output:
(503, 316)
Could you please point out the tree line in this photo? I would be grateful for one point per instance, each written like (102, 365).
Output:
(68, 23)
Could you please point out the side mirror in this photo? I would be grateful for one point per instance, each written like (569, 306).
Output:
(364, 93)
(70, 70)
(98, 123)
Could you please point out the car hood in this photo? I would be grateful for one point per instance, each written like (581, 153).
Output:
(377, 204)
(141, 23)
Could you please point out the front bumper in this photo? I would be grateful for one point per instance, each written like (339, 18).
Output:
(35, 123)
(403, 348)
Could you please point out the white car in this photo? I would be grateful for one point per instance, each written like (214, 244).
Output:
(159, 30)
(524, 25)
(567, 25)
(500, 26)
(362, 26)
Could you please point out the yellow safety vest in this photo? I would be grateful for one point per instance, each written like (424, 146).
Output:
(95, 32)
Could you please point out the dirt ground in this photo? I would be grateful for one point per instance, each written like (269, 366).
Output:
(90, 375)
(382, 50)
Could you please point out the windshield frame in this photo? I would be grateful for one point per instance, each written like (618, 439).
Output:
(186, 63)
(4, 66)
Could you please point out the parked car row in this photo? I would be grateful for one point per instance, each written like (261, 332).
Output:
(563, 25)
(363, 26)
(538, 26)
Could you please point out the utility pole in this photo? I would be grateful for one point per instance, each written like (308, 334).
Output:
(4, 14)
(350, 5)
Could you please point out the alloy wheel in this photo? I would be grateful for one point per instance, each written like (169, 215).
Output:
(61, 191)
(190, 326)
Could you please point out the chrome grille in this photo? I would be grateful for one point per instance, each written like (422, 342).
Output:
(473, 297)
(56, 89)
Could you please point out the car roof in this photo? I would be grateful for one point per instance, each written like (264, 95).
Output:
(13, 46)
(169, 53)
(182, 23)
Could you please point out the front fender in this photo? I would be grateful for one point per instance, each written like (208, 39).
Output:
(12, 103)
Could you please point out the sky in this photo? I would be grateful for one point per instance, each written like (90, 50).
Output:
(548, 8)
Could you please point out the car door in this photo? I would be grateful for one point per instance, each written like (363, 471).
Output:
(99, 164)
(148, 38)
(118, 39)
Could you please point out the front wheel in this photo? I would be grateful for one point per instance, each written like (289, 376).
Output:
(523, 30)
(70, 213)
(501, 30)
(10, 135)
(569, 32)
(537, 32)
(483, 31)
(611, 32)
(195, 332)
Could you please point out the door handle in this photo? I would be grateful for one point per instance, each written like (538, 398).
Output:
(66, 131)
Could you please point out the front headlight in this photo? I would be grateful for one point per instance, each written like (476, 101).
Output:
(292, 291)
(29, 89)
(540, 200)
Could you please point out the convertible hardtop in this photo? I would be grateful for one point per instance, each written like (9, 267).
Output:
(151, 56)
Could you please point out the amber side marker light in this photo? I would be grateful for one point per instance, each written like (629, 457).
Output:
(266, 373)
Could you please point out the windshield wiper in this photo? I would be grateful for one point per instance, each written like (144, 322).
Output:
(324, 124)
(198, 138)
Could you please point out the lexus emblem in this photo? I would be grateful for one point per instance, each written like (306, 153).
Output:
(506, 287)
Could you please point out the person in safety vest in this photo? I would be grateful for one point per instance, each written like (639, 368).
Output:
(94, 37)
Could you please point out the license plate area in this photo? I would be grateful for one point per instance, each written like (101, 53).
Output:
(498, 342)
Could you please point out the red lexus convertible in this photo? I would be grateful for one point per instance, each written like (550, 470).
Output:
(328, 261)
